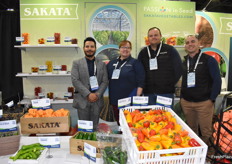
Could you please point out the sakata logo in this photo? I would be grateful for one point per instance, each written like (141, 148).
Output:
(48, 11)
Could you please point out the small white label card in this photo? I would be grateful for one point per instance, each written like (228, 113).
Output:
(140, 100)
(10, 104)
(1, 113)
(164, 101)
(41, 103)
(67, 39)
(49, 142)
(90, 152)
(9, 125)
(122, 103)
(56, 67)
(19, 39)
(85, 126)
(67, 94)
(50, 39)
(43, 67)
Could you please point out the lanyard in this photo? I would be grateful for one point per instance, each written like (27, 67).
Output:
(149, 54)
(195, 63)
(121, 65)
(95, 68)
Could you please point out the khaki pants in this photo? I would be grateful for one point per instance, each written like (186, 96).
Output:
(199, 114)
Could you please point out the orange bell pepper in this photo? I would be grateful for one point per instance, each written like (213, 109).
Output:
(166, 143)
(156, 137)
(146, 132)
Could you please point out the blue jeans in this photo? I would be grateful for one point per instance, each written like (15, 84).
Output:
(152, 98)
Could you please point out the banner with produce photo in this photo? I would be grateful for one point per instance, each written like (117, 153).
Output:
(110, 24)
(215, 30)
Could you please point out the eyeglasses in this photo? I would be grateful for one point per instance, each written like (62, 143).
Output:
(125, 48)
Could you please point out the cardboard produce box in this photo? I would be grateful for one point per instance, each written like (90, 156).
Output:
(45, 125)
(77, 145)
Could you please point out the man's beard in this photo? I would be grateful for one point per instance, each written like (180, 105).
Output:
(90, 55)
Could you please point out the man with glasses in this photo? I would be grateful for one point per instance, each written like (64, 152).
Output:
(163, 67)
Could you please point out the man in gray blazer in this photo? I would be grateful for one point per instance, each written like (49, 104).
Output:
(89, 78)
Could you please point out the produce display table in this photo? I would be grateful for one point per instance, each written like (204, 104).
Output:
(60, 155)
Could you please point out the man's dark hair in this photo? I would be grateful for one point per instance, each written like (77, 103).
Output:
(153, 29)
(89, 39)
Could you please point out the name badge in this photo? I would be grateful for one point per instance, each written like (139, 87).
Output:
(93, 83)
(115, 74)
(191, 79)
(153, 64)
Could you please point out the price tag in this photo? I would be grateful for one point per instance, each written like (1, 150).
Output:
(50, 142)
(9, 125)
(43, 67)
(56, 67)
(41, 103)
(122, 103)
(50, 39)
(164, 101)
(67, 39)
(19, 39)
(41, 95)
(140, 100)
(67, 94)
(10, 104)
(85, 126)
(90, 152)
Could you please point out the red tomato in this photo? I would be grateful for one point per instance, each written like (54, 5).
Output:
(130, 124)
(165, 118)
(146, 124)
(152, 132)
(177, 139)
(158, 119)
(192, 142)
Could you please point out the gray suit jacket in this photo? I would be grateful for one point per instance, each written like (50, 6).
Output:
(80, 81)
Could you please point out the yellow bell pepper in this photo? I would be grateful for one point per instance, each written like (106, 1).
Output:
(153, 125)
(170, 133)
(137, 143)
(157, 128)
(166, 143)
(128, 118)
(165, 137)
(169, 115)
(173, 119)
(157, 145)
(147, 146)
(177, 127)
(162, 123)
(138, 125)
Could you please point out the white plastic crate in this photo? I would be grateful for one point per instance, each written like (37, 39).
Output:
(191, 155)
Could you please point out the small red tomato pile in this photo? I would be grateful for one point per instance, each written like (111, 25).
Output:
(156, 130)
